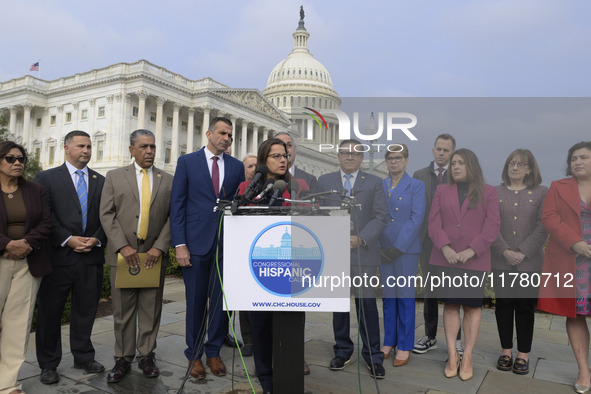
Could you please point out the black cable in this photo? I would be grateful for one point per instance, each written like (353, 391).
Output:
(361, 311)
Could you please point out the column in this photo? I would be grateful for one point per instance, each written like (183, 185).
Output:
(174, 144)
(158, 132)
(92, 117)
(109, 140)
(243, 143)
(13, 111)
(233, 119)
(205, 124)
(190, 129)
(27, 132)
(141, 113)
(255, 138)
(75, 115)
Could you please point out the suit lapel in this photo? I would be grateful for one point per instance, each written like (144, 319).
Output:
(92, 187)
(359, 181)
(453, 201)
(202, 165)
(132, 181)
(67, 184)
(401, 187)
(156, 178)
(569, 192)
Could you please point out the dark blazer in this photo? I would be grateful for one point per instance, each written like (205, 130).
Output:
(120, 207)
(37, 227)
(462, 228)
(561, 216)
(67, 215)
(406, 205)
(310, 179)
(521, 228)
(192, 219)
(370, 220)
(429, 178)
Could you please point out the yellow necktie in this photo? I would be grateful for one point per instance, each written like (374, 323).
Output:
(146, 198)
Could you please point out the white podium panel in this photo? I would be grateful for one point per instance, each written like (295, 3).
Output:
(286, 263)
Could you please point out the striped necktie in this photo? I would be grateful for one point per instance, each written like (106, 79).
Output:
(145, 208)
(82, 191)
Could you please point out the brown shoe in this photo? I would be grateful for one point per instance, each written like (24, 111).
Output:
(198, 371)
(306, 368)
(216, 366)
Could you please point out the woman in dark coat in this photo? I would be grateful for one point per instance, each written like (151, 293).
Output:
(25, 224)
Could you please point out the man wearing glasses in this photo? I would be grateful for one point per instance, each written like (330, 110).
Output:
(367, 223)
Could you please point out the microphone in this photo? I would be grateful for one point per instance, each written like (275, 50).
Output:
(260, 174)
(278, 189)
(293, 187)
(266, 187)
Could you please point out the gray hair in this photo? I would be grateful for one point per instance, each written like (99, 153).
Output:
(293, 140)
(135, 135)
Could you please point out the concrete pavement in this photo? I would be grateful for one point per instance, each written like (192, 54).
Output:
(552, 365)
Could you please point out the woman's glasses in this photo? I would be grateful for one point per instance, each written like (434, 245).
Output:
(12, 159)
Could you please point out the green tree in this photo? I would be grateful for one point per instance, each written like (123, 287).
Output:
(33, 164)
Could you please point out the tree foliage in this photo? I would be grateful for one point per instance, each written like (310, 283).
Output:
(33, 164)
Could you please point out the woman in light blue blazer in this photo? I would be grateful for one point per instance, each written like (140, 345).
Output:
(400, 245)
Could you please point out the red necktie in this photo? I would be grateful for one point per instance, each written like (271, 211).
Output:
(440, 175)
(215, 176)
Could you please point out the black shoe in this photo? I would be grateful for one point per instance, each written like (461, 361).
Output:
(148, 367)
(380, 372)
(49, 376)
(119, 371)
(90, 366)
(338, 363)
(231, 342)
(246, 350)
(504, 363)
(521, 366)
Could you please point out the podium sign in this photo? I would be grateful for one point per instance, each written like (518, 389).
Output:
(285, 263)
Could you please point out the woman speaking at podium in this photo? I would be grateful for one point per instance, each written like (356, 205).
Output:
(273, 155)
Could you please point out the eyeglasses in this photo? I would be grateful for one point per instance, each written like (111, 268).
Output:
(278, 156)
(518, 164)
(12, 159)
(351, 154)
(396, 159)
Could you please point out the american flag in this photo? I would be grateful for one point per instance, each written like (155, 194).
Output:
(34, 67)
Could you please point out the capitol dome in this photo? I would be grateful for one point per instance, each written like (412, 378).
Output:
(300, 80)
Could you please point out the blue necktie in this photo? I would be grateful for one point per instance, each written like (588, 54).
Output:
(347, 184)
(82, 192)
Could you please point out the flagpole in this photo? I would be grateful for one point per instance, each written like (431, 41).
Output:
(39, 70)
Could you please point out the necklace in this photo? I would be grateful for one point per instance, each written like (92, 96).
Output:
(11, 194)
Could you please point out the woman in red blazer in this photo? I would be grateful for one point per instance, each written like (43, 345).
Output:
(25, 224)
(463, 223)
(567, 262)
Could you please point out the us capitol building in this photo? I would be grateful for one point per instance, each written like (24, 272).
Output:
(110, 102)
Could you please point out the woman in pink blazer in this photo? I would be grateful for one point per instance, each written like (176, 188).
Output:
(463, 223)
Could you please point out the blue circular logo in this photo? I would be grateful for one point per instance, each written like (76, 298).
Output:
(286, 258)
(134, 270)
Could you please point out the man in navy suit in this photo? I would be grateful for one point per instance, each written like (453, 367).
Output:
(293, 170)
(77, 256)
(201, 177)
(367, 223)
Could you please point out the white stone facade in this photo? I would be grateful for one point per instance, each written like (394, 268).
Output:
(111, 102)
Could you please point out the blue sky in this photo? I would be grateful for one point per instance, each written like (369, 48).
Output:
(420, 48)
(372, 48)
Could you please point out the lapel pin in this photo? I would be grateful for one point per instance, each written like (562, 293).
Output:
(94, 176)
(159, 175)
